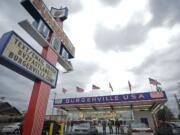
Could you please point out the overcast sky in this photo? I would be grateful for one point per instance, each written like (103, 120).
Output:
(115, 41)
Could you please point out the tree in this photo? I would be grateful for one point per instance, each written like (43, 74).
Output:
(2, 99)
(165, 114)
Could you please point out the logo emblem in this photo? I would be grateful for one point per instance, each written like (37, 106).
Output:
(157, 95)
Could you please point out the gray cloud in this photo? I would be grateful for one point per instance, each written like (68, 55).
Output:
(164, 11)
(13, 10)
(110, 2)
(164, 66)
(120, 39)
(74, 6)
(81, 76)
(16, 88)
(162, 63)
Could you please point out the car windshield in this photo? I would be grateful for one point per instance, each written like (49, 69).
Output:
(175, 124)
(138, 125)
(85, 125)
(13, 124)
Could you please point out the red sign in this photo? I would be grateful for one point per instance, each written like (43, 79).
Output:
(157, 95)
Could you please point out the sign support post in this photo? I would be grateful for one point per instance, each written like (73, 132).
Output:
(17, 55)
(35, 116)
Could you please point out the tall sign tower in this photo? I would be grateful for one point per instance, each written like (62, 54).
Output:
(18, 55)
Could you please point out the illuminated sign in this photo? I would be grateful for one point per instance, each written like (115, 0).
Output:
(38, 10)
(136, 97)
(103, 115)
(59, 13)
(56, 44)
(156, 95)
(17, 55)
(42, 28)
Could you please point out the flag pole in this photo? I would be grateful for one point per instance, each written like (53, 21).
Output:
(131, 106)
(111, 88)
(150, 84)
(130, 87)
(177, 103)
(92, 93)
(156, 87)
(110, 91)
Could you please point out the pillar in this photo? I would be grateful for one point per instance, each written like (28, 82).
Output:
(34, 119)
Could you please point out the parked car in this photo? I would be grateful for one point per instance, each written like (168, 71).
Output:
(139, 129)
(85, 128)
(177, 123)
(168, 128)
(12, 128)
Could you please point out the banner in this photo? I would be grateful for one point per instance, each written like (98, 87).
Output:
(78, 89)
(19, 56)
(154, 82)
(127, 98)
(94, 87)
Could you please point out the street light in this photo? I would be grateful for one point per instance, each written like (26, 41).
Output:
(53, 104)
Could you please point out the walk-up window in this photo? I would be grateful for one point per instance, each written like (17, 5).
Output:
(145, 121)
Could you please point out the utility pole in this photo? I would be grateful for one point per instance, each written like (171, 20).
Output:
(53, 105)
(178, 99)
(179, 88)
(178, 104)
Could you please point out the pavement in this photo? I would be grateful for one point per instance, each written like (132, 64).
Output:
(100, 131)
(98, 134)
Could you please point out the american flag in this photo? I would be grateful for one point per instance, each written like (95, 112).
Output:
(78, 89)
(64, 90)
(154, 82)
(94, 87)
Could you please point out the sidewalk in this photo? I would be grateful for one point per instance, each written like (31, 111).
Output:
(99, 128)
(100, 131)
(98, 134)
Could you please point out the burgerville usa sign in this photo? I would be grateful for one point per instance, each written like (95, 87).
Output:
(120, 99)
(19, 56)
